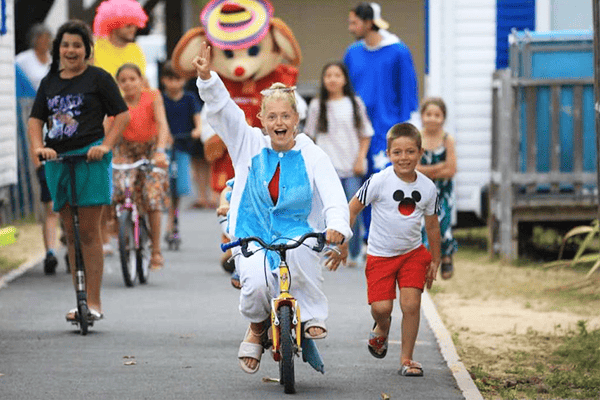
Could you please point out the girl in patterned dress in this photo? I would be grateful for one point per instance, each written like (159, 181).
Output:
(439, 164)
(145, 136)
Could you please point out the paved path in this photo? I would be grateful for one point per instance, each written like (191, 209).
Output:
(183, 329)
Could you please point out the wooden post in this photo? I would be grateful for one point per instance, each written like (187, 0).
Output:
(506, 165)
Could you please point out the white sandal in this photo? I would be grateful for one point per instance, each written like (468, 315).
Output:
(250, 350)
(93, 315)
(315, 323)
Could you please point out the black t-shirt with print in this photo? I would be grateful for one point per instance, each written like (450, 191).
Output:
(74, 109)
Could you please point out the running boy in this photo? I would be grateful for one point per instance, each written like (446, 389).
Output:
(400, 197)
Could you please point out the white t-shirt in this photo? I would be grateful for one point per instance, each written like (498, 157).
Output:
(397, 211)
(32, 67)
(341, 141)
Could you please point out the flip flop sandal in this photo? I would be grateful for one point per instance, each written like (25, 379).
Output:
(447, 270)
(411, 365)
(378, 345)
(314, 323)
(250, 350)
(157, 262)
(93, 315)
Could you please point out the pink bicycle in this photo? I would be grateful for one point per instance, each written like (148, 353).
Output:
(134, 235)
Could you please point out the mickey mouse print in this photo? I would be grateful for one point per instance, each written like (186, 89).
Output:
(398, 208)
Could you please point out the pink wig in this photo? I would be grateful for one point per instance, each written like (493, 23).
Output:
(113, 14)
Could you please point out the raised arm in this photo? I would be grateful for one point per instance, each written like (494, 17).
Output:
(202, 62)
(224, 116)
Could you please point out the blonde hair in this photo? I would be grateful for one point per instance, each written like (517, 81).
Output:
(279, 91)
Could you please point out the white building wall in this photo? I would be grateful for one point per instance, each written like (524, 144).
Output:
(8, 104)
(462, 49)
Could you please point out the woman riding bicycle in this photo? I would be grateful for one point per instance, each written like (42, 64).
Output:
(285, 186)
(145, 136)
(73, 100)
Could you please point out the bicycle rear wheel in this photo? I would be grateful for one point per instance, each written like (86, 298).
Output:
(288, 344)
(143, 253)
(127, 252)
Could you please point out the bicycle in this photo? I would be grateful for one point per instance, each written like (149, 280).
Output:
(173, 238)
(83, 317)
(285, 311)
(134, 235)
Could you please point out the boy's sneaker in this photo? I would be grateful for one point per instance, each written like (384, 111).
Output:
(50, 263)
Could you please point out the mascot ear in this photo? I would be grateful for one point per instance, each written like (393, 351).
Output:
(286, 41)
(187, 48)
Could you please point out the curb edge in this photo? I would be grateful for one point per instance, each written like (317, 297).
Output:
(459, 371)
(20, 270)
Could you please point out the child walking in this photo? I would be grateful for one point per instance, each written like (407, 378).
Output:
(338, 122)
(183, 115)
(438, 163)
(145, 136)
(400, 198)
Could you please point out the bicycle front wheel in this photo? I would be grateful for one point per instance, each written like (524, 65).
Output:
(143, 253)
(288, 344)
(127, 253)
(82, 311)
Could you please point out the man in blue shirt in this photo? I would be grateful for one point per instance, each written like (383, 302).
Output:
(382, 73)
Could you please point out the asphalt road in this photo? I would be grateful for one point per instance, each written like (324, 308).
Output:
(181, 332)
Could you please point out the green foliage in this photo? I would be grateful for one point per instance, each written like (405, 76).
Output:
(589, 241)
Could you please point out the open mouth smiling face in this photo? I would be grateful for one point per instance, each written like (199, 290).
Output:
(72, 51)
(280, 121)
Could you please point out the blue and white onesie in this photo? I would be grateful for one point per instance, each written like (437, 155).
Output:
(311, 198)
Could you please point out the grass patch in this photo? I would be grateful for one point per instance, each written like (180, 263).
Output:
(28, 245)
(536, 363)
(7, 264)
(566, 367)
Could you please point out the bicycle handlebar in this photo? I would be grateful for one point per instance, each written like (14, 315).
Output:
(279, 247)
(143, 163)
(133, 165)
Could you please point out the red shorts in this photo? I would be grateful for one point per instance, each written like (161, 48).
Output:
(409, 270)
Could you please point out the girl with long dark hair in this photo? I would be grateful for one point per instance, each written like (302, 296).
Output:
(338, 122)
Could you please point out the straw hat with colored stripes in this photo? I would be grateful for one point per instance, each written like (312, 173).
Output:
(236, 24)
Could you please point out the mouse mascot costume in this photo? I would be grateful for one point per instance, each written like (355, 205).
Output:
(251, 50)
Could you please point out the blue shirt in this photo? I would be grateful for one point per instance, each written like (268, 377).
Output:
(180, 114)
(386, 81)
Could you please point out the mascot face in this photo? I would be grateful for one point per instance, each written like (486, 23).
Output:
(247, 43)
(251, 63)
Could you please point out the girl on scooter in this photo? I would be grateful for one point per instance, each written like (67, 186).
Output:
(72, 101)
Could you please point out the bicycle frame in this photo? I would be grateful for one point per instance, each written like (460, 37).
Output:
(284, 297)
(129, 204)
